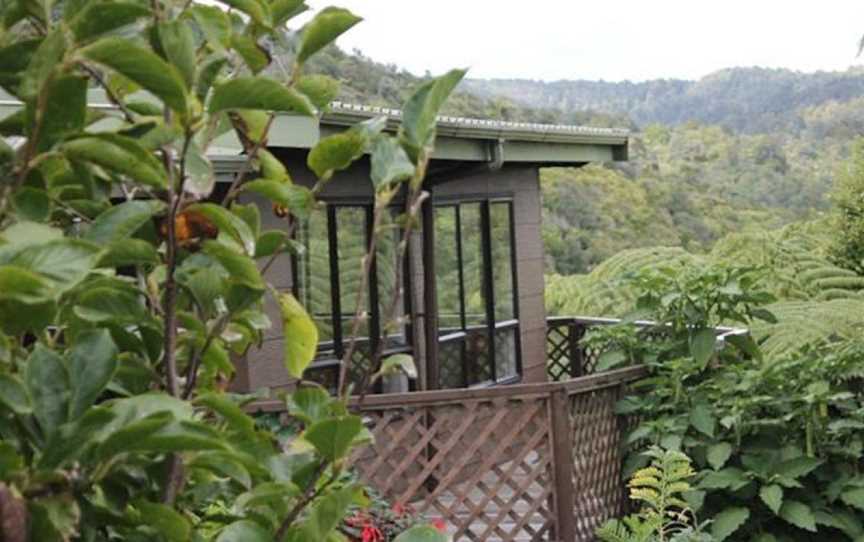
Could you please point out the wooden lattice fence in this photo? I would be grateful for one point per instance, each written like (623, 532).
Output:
(522, 462)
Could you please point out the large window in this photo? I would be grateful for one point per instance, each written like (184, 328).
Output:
(474, 267)
(328, 277)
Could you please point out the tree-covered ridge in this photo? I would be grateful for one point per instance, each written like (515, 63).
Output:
(366, 81)
(752, 100)
(685, 186)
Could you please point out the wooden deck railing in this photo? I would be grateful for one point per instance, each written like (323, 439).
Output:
(509, 463)
(568, 357)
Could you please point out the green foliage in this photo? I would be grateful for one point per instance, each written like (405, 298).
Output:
(848, 199)
(119, 321)
(661, 489)
(774, 436)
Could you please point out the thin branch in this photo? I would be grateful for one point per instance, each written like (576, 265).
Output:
(112, 96)
(252, 152)
(195, 362)
(309, 495)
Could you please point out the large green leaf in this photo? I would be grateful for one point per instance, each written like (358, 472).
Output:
(702, 419)
(300, 335)
(99, 18)
(718, 454)
(65, 262)
(333, 437)
(23, 285)
(178, 44)
(298, 199)
(327, 513)
(121, 221)
(259, 93)
(47, 381)
(244, 531)
(799, 515)
(797, 467)
(228, 223)
(854, 497)
(127, 437)
(44, 61)
(242, 268)
(320, 89)
(93, 361)
(335, 153)
(65, 110)
(772, 496)
(129, 252)
(323, 29)
(421, 110)
(32, 204)
(228, 410)
(258, 10)
(283, 10)
(13, 394)
(143, 67)
(256, 57)
(118, 154)
(422, 533)
(310, 404)
(172, 525)
(390, 163)
(702, 346)
(727, 522)
(72, 440)
(214, 23)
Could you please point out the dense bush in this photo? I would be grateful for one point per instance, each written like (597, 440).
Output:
(126, 287)
(776, 441)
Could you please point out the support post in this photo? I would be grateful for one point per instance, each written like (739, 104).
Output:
(430, 296)
(562, 465)
(574, 336)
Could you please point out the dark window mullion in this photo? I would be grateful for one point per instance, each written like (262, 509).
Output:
(463, 320)
(488, 285)
(374, 305)
(514, 276)
(335, 294)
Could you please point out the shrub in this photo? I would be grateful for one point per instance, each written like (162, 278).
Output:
(118, 319)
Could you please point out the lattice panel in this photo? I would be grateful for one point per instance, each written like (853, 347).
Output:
(484, 467)
(450, 365)
(361, 362)
(599, 488)
(478, 364)
(559, 350)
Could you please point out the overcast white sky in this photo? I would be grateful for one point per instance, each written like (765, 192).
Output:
(605, 39)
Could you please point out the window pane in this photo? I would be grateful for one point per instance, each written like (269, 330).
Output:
(447, 270)
(314, 275)
(351, 247)
(472, 264)
(502, 260)
(393, 326)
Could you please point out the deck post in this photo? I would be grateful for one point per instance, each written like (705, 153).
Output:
(575, 349)
(430, 295)
(562, 465)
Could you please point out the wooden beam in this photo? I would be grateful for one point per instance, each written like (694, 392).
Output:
(430, 296)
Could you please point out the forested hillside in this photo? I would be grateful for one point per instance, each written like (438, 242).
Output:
(742, 99)
(740, 149)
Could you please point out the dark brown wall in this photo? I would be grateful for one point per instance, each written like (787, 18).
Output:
(263, 366)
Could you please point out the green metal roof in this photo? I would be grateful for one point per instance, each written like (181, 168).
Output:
(459, 138)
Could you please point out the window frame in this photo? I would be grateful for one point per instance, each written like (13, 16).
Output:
(492, 325)
(332, 351)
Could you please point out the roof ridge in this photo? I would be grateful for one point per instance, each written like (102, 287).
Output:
(474, 122)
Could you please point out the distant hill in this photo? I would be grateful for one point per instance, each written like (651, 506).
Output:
(748, 100)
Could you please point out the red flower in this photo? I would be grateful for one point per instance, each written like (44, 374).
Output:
(439, 524)
(371, 534)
